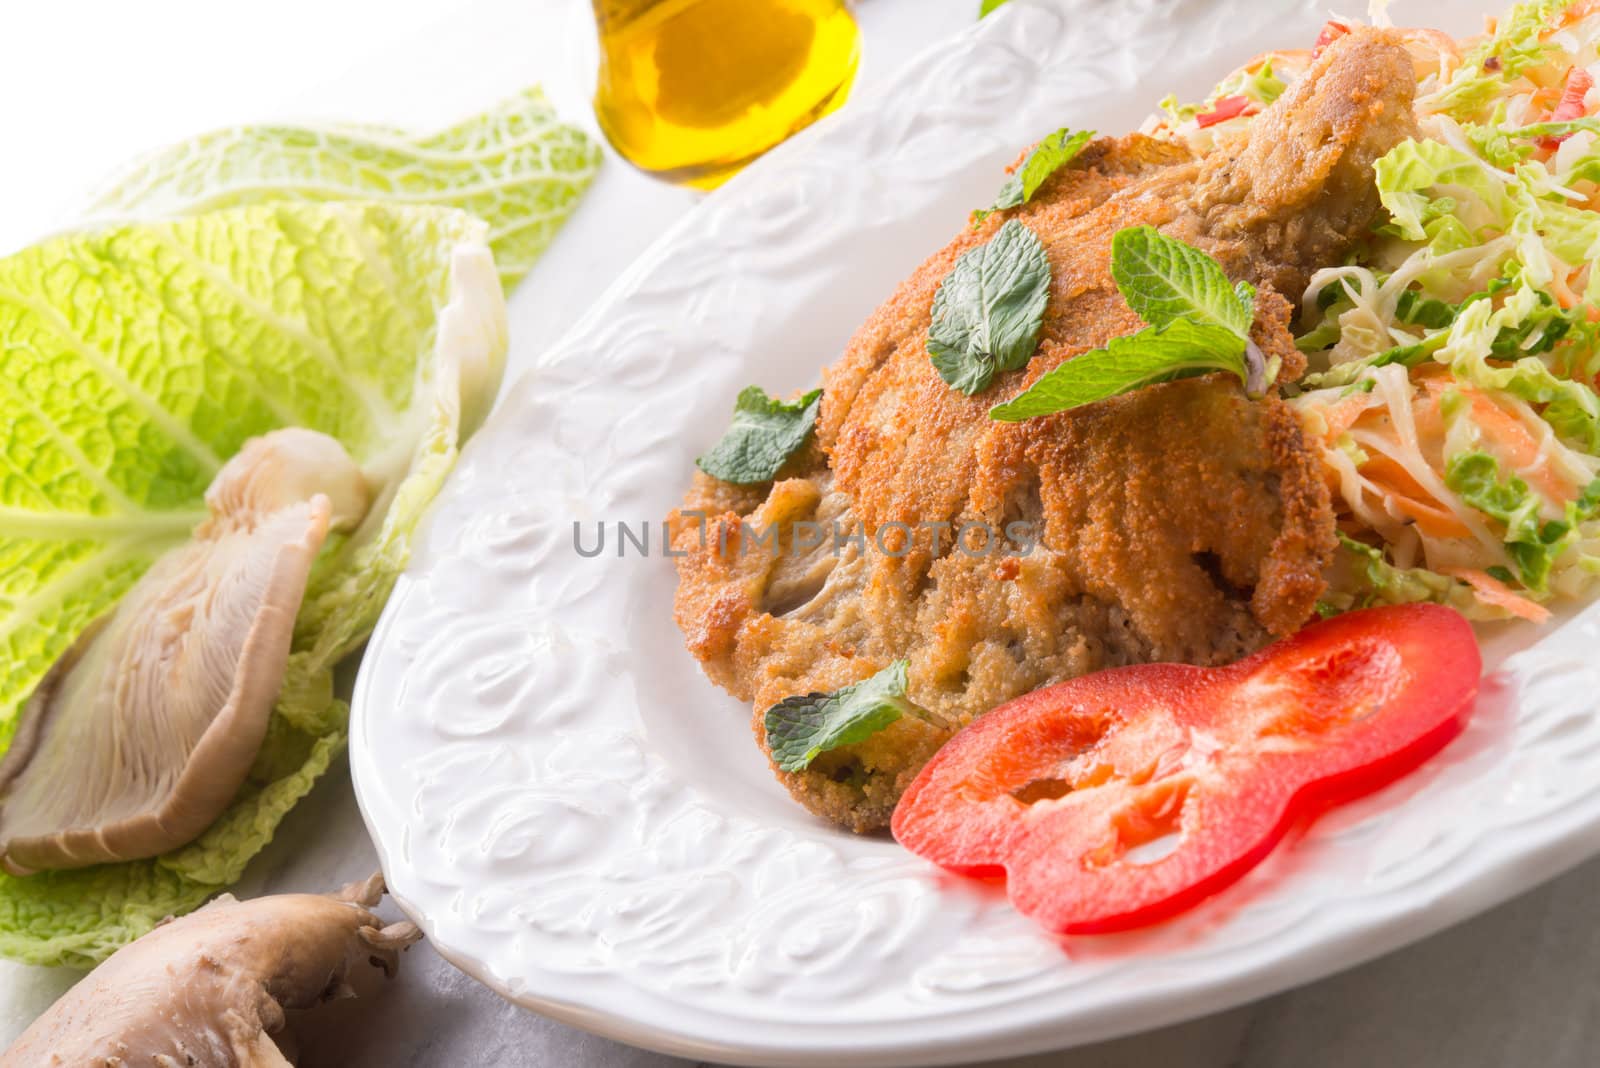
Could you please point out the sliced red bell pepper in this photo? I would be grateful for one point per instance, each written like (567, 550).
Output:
(1225, 108)
(1571, 105)
(1332, 30)
(1070, 790)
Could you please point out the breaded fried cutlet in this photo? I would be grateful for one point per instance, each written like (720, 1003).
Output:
(1182, 522)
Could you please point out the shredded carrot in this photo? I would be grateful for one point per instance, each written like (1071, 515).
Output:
(1561, 289)
(1492, 591)
(1518, 448)
(1343, 414)
(1440, 43)
(1381, 468)
(1411, 500)
(1507, 436)
(1513, 442)
(1546, 100)
(1395, 485)
(1577, 13)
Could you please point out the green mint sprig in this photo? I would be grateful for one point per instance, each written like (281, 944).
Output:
(799, 729)
(1048, 156)
(763, 435)
(1198, 322)
(988, 310)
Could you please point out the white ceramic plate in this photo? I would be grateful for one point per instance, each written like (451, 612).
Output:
(580, 820)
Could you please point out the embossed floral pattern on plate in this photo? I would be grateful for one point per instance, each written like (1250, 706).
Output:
(579, 819)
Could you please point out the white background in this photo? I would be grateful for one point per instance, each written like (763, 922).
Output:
(84, 85)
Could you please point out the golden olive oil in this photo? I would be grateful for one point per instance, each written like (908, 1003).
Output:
(693, 90)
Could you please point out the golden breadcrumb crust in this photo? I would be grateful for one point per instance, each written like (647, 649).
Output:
(1179, 522)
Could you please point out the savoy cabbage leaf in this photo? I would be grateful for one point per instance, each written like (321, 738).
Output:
(134, 360)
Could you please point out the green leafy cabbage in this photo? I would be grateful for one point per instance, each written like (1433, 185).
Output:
(516, 166)
(1425, 183)
(1496, 348)
(1533, 543)
(1570, 407)
(1406, 173)
(1380, 582)
(1514, 46)
(134, 360)
(1256, 82)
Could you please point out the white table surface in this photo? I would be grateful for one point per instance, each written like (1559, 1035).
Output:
(87, 83)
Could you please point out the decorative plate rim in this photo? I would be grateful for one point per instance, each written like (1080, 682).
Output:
(498, 735)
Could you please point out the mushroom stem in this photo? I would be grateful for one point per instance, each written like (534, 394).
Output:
(211, 988)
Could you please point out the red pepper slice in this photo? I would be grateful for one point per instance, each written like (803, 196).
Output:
(1571, 106)
(1225, 108)
(1059, 789)
(1332, 30)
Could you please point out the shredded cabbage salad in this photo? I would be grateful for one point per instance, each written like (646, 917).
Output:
(1455, 358)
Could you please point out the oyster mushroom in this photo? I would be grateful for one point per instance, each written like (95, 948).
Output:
(211, 988)
(143, 732)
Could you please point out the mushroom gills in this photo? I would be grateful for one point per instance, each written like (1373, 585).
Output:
(212, 988)
(143, 732)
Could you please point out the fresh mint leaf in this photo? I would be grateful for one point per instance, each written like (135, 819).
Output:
(763, 435)
(988, 310)
(1247, 300)
(799, 729)
(1163, 280)
(1152, 355)
(1048, 156)
(1199, 321)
